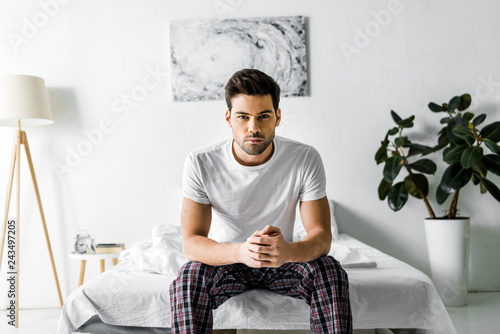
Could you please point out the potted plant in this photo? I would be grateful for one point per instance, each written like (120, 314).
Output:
(470, 153)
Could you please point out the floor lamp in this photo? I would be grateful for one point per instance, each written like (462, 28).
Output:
(23, 100)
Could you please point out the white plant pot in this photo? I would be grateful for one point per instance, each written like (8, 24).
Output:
(448, 249)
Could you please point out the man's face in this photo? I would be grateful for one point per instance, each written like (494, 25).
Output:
(253, 122)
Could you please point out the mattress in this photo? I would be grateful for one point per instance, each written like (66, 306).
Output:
(390, 295)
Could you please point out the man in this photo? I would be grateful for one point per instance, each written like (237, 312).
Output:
(253, 184)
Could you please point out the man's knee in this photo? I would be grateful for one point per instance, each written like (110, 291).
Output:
(193, 268)
(191, 273)
(328, 266)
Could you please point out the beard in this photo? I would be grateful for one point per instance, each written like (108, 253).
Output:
(254, 149)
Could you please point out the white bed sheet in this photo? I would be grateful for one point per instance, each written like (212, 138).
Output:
(392, 295)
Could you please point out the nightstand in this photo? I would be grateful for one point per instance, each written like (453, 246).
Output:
(85, 257)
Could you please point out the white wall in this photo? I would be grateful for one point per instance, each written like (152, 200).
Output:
(93, 54)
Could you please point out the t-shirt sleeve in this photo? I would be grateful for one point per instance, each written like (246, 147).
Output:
(314, 178)
(192, 181)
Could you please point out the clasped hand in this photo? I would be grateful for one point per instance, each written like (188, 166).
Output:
(266, 248)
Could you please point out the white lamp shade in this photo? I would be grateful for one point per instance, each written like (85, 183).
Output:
(24, 97)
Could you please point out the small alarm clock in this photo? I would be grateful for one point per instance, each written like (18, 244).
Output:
(84, 243)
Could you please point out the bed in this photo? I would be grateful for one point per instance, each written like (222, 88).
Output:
(133, 296)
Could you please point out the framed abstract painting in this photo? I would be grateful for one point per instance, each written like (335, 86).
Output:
(205, 53)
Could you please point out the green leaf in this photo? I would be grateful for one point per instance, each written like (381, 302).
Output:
(479, 119)
(475, 180)
(392, 167)
(470, 156)
(381, 155)
(492, 163)
(383, 189)
(459, 122)
(443, 139)
(445, 120)
(406, 123)
(420, 183)
(401, 141)
(455, 177)
(491, 187)
(491, 132)
(464, 133)
(426, 166)
(482, 187)
(395, 117)
(436, 107)
(454, 103)
(393, 131)
(397, 196)
(418, 149)
(441, 195)
(452, 154)
(465, 102)
(479, 171)
(492, 146)
(480, 168)
(468, 116)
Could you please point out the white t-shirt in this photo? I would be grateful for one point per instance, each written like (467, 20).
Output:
(245, 199)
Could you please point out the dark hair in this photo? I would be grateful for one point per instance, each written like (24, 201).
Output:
(252, 82)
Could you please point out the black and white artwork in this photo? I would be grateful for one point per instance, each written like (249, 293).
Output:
(205, 53)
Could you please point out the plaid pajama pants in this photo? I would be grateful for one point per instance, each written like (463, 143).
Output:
(321, 283)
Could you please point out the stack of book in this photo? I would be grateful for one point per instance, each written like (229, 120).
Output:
(109, 248)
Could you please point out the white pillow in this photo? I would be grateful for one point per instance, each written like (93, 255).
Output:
(299, 232)
(162, 254)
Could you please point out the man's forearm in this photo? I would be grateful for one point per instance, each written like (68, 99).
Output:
(208, 251)
(308, 249)
(316, 219)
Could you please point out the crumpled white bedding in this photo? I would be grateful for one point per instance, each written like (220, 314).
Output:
(163, 254)
(392, 295)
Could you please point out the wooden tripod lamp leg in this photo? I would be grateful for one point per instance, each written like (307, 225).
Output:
(7, 197)
(24, 140)
(18, 225)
